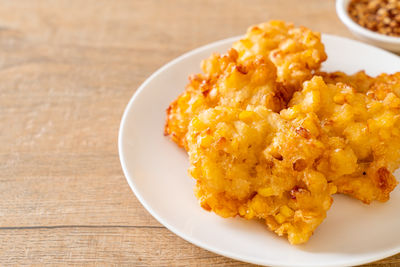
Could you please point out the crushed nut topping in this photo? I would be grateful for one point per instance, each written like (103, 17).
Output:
(382, 16)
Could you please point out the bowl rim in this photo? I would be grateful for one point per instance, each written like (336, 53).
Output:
(341, 9)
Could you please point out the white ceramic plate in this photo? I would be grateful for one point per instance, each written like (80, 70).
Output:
(156, 170)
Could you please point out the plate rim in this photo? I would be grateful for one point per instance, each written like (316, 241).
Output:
(195, 241)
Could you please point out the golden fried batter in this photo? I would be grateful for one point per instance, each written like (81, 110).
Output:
(245, 75)
(296, 52)
(360, 80)
(225, 82)
(253, 163)
(362, 131)
(271, 137)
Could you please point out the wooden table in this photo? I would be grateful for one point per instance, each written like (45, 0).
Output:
(67, 71)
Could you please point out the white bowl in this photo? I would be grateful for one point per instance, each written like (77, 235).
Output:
(387, 42)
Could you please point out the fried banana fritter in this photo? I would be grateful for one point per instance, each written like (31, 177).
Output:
(255, 164)
(296, 52)
(226, 82)
(362, 131)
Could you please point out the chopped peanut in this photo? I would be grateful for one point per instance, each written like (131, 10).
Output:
(380, 16)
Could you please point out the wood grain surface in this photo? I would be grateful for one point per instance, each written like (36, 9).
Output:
(67, 70)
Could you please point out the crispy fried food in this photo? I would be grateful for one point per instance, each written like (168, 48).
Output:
(245, 75)
(226, 82)
(360, 80)
(255, 164)
(362, 83)
(296, 52)
(387, 83)
(271, 137)
(361, 129)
